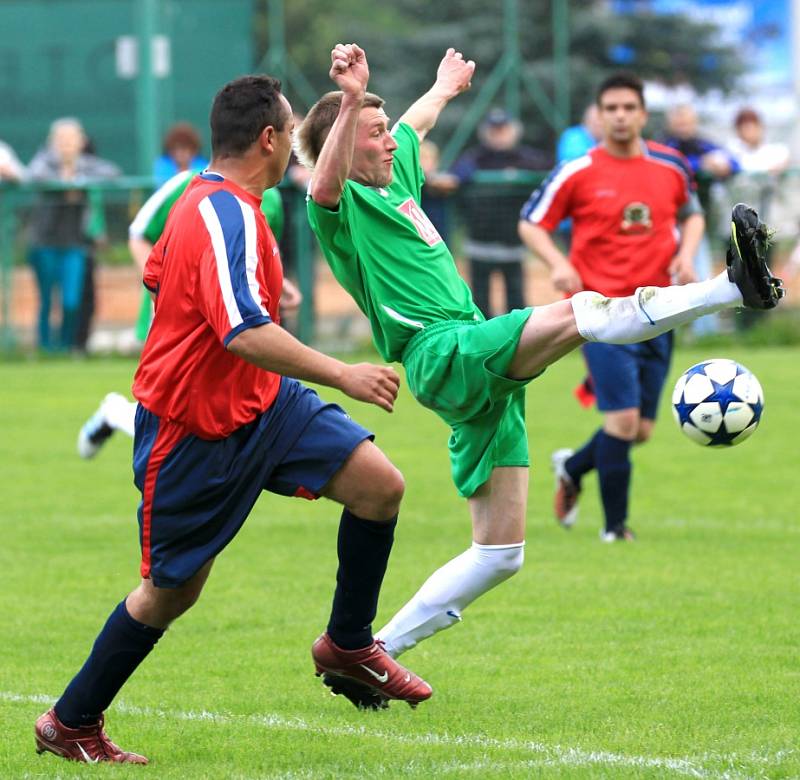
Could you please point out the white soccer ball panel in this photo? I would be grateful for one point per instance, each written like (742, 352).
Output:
(698, 387)
(676, 393)
(738, 416)
(721, 370)
(747, 387)
(695, 434)
(707, 416)
(745, 434)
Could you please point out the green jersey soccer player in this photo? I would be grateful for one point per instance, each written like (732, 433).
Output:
(364, 207)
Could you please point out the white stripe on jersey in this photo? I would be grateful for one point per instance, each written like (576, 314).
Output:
(251, 253)
(209, 214)
(546, 199)
(153, 204)
(395, 315)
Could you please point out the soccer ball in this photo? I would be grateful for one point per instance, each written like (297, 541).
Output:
(717, 403)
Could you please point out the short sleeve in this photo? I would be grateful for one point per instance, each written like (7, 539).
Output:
(552, 201)
(332, 225)
(230, 291)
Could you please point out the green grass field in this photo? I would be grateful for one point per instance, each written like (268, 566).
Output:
(675, 656)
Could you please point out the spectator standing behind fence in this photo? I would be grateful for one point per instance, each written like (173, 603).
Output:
(490, 212)
(711, 163)
(575, 141)
(11, 169)
(181, 152)
(59, 223)
(762, 164)
(760, 161)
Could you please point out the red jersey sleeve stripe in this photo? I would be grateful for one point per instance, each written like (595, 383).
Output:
(539, 203)
(231, 226)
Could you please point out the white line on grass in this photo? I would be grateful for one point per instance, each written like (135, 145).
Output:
(549, 755)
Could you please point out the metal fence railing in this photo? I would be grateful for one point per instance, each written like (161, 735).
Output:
(119, 200)
(493, 197)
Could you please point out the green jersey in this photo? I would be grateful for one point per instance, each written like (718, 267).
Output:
(151, 219)
(387, 254)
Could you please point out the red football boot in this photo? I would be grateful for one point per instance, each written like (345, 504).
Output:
(565, 499)
(371, 667)
(89, 744)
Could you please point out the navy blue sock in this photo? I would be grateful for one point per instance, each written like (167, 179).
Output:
(584, 459)
(119, 648)
(614, 473)
(363, 548)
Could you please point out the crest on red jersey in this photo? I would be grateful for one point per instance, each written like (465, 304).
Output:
(636, 218)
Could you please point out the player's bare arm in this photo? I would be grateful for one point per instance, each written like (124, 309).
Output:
(350, 72)
(140, 249)
(272, 348)
(682, 266)
(291, 297)
(453, 77)
(562, 273)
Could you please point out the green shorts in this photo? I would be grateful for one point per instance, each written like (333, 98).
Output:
(458, 369)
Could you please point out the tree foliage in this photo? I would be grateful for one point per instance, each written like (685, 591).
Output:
(406, 39)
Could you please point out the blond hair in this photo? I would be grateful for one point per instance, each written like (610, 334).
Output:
(310, 137)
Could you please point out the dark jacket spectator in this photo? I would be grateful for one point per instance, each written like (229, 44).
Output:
(491, 211)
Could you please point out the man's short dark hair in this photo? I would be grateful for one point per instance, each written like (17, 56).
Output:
(622, 80)
(241, 110)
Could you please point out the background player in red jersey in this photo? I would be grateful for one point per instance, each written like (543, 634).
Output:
(219, 421)
(626, 199)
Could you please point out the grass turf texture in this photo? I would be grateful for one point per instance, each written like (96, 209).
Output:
(675, 656)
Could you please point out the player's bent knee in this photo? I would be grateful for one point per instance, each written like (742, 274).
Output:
(388, 492)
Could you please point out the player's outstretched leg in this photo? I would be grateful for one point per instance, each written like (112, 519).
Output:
(651, 311)
(370, 667)
(89, 744)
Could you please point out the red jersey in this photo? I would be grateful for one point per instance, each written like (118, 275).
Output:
(624, 213)
(215, 271)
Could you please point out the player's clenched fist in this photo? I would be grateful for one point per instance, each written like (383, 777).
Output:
(454, 74)
(374, 384)
(349, 68)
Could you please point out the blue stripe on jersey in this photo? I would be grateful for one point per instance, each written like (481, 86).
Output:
(211, 176)
(677, 160)
(538, 193)
(230, 217)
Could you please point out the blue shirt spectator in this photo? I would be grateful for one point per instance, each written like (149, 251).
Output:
(575, 141)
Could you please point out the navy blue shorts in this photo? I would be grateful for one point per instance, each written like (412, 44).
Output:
(197, 493)
(629, 376)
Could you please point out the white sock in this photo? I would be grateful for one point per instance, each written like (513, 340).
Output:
(119, 413)
(438, 604)
(650, 311)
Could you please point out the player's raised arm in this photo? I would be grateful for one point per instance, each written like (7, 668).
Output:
(350, 71)
(453, 77)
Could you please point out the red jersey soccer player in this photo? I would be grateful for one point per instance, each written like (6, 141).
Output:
(219, 421)
(626, 198)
